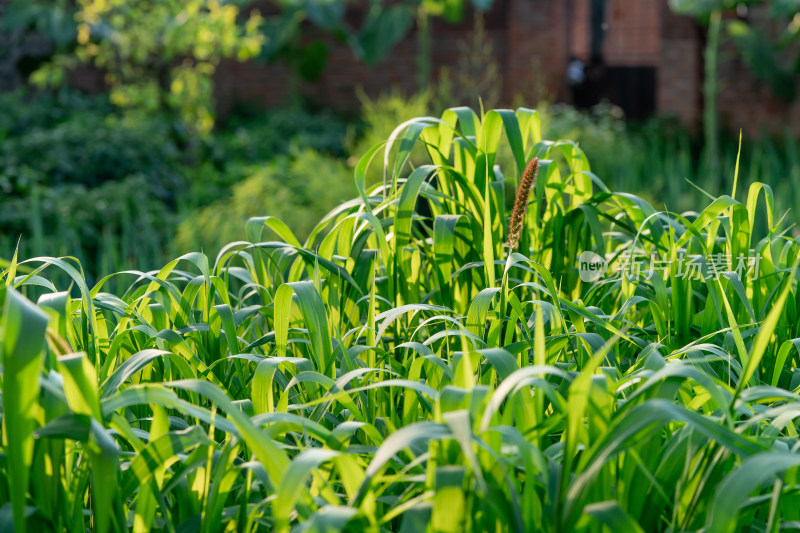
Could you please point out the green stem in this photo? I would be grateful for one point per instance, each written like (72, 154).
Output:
(423, 49)
(710, 87)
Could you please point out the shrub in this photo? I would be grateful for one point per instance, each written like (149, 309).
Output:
(298, 189)
(660, 159)
(108, 188)
(118, 222)
(21, 111)
(80, 182)
(253, 136)
(90, 150)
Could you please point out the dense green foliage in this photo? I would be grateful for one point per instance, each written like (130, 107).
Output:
(401, 369)
(154, 57)
(771, 55)
(78, 179)
(299, 187)
(162, 57)
(65, 156)
(664, 163)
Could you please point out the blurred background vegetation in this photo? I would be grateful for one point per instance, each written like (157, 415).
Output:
(146, 170)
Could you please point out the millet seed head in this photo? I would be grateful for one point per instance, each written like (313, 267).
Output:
(517, 222)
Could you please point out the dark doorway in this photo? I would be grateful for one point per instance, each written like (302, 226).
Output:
(631, 88)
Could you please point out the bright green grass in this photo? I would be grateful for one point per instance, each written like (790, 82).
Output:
(401, 371)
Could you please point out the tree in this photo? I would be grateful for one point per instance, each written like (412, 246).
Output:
(761, 55)
(772, 60)
(158, 56)
(386, 24)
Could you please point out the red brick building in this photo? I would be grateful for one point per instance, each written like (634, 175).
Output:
(646, 48)
(653, 63)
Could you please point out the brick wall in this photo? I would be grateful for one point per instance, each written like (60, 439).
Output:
(633, 35)
(537, 44)
(344, 77)
(632, 32)
(532, 41)
(680, 68)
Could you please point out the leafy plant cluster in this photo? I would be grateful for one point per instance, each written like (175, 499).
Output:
(770, 52)
(663, 162)
(160, 58)
(297, 181)
(401, 370)
(155, 57)
(77, 178)
(299, 187)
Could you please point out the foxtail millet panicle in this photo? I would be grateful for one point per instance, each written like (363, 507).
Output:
(517, 222)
